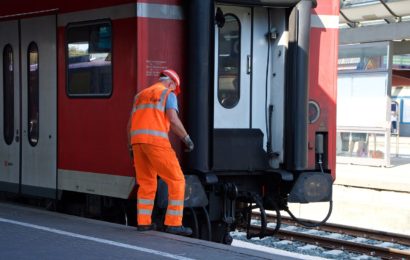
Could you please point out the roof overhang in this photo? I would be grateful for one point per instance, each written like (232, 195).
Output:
(382, 32)
(360, 10)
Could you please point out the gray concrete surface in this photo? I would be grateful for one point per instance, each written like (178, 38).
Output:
(27, 233)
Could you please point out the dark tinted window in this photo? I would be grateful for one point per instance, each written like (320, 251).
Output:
(8, 94)
(33, 93)
(229, 58)
(89, 56)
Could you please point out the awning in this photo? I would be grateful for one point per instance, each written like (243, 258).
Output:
(353, 11)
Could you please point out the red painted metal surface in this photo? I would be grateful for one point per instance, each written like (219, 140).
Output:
(64, 6)
(327, 7)
(161, 45)
(169, 2)
(92, 131)
(18, 7)
(323, 82)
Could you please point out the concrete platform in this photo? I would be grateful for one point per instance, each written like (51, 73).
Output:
(28, 233)
(393, 178)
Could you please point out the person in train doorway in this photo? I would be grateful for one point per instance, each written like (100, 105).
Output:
(154, 113)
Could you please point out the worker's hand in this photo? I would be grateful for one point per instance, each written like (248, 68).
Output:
(188, 143)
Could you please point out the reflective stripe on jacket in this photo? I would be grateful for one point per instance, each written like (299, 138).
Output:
(149, 121)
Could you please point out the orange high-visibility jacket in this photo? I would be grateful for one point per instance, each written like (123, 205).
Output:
(150, 124)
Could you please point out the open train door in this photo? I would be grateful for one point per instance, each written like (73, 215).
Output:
(28, 147)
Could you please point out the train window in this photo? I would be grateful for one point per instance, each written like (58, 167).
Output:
(33, 93)
(89, 57)
(8, 94)
(229, 57)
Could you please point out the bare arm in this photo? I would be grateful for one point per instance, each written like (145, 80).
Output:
(129, 130)
(129, 123)
(176, 125)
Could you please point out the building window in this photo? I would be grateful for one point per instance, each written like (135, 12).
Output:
(89, 57)
(33, 93)
(8, 94)
(229, 58)
(363, 58)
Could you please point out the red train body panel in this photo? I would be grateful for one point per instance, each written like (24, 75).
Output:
(81, 145)
(323, 80)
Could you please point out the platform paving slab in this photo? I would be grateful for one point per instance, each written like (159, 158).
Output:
(29, 233)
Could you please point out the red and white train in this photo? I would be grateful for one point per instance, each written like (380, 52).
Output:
(258, 99)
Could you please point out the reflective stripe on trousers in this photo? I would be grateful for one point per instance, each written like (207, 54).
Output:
(145, 201)
(176, 202)
(144, 210)
(175, 212)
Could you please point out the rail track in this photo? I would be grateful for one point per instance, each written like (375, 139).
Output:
(340, 244)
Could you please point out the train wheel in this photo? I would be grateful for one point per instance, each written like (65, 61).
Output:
(190, 219)
(205, 229)
(220, 233)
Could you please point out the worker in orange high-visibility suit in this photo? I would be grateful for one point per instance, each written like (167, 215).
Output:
(154, 113)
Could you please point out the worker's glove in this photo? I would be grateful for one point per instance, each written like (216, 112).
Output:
(188, 143)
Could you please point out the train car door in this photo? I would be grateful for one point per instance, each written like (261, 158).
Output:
(10, 107)
(28, 141)
(39, 106)
(232, 68)
(240, 88)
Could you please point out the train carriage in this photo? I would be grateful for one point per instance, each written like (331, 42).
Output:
(258, 99)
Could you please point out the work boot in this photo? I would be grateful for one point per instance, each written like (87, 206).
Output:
(146, 227)
(179, 230)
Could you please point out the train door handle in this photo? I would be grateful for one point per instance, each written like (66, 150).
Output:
(17, 136)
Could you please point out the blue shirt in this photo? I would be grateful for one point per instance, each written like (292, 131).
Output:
(172, 102)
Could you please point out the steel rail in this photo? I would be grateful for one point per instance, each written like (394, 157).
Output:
(347, 230)
(332, 243)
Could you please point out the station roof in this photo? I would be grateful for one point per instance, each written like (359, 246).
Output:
(363, 21)
(355, 13)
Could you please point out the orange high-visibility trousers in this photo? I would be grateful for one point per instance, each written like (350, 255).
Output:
(151, 161)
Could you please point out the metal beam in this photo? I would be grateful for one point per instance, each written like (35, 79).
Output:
(384, 32)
